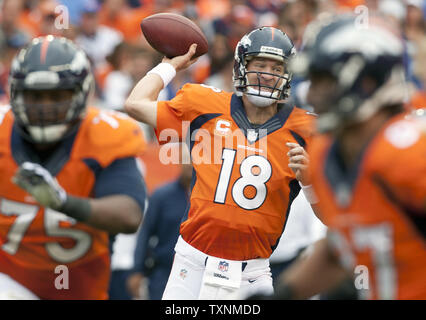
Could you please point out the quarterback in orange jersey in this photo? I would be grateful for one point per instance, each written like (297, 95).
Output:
(69, 178)
(242, 185)
(368, 168)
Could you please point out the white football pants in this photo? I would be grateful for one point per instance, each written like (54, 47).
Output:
(186, 277)
(12, 290)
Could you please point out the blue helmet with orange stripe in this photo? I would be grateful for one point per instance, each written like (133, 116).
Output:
(50, 81)
(355, 69)
(264, 42)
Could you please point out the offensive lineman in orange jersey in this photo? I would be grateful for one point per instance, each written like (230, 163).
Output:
(242, 187)
(368, 169)
(69, 178)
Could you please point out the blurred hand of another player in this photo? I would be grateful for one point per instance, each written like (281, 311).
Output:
(298, 161)
(38, 182)
(183, 61)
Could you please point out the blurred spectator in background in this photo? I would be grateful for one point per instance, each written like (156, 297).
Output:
(220, 52)
(214, 69)
(12, 38)
(119, 15)
(266, 11)
(414, 28)
(295, 16)
(418, 99)
(39, 20)
(158, 235)
(239, 21)
(97, 40)
(350, 5)
(222, 79)
(214, 9)
(415, 25)
(11, 30)
(393, 10)
(75, 9)
(130, 63)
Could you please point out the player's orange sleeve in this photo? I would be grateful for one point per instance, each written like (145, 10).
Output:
(174, 116)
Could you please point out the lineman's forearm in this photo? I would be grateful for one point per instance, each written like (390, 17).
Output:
(114, 214)
(319, 272)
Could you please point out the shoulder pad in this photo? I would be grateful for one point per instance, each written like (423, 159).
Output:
(405, 132)
(106, 135)
(303, 122)
(206, 98)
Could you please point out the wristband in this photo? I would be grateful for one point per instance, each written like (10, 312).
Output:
(309, 193)
(166, 72)
(77, 208)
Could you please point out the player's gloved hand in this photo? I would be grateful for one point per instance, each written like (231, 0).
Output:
(38, 182)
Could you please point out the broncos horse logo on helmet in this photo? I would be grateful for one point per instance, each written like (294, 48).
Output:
(49, 64)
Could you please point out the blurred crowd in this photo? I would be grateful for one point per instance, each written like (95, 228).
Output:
(109, 31)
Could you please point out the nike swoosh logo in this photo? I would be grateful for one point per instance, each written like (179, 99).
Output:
(251, 280)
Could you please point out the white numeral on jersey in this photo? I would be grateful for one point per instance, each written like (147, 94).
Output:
(248, 178)
(107, 117)
(83, 241)
(378, 239)
(25, 215)
(228, 156)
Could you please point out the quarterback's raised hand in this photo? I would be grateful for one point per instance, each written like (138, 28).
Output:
(183, 61)
(38, 182)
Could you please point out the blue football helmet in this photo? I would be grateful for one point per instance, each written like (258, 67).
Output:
(366, 63)
(265, 42)
(49, 64)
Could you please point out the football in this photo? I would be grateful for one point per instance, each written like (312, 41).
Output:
(172, 34)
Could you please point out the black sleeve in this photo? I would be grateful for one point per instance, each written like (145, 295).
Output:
(122, 177)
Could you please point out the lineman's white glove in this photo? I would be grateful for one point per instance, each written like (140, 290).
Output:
(38, 182)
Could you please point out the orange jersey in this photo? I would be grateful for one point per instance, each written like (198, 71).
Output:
(35, 240)
(376, 211)
(242, 186)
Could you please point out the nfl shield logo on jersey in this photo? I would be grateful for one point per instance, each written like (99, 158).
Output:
(223, 266)
(251, 135)
(183, 273)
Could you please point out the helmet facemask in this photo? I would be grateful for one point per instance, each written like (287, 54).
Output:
(48, 122)
(262, 94)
